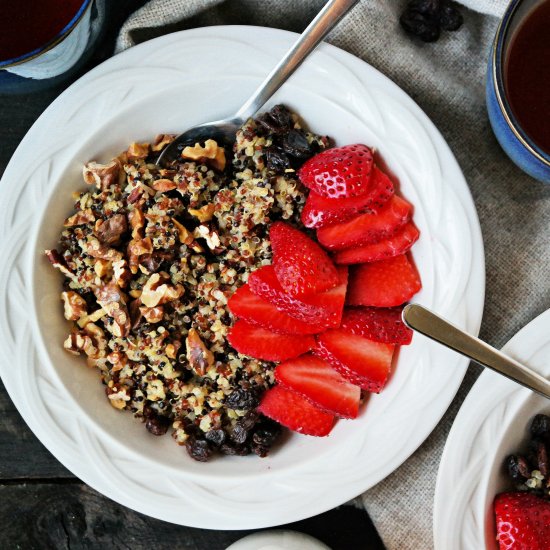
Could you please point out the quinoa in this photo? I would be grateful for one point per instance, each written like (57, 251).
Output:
(150, 257)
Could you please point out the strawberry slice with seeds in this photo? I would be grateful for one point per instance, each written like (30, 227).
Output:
(397, 244)
(295, 412)
(244, 304)
(386, 283)
(301, 265)
(522, 521)
(339, 172)
(264, 344)
(316, 380)
(367, 228)
(323, 310)
(361, 361)
(380, 324)
(320, 211)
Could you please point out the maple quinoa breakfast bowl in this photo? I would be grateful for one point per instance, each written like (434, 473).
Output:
(65, 402)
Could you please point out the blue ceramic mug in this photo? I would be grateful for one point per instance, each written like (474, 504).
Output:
(512, 138)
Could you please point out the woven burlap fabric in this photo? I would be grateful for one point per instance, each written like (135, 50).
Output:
(447, 80)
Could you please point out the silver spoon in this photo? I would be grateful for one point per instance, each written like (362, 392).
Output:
(223, 131)
(431, 325)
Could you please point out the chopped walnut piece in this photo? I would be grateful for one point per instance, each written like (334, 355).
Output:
(184, 235)
(157, 292)
(161, 141)
(203, 214)
(74, 305)
(209, 235)
(121, 273)
(102, 175)
(110, 231)
(137, 151)
(211, 153)
(91, 341)
(92, 318)
(137, 222)
(172, 349)
(111, 298)
(137, 248)
(199, 356)
(59, 263)
(152, 314)
(102, 268)
(163, 185)
(97, 250)
(82, 217)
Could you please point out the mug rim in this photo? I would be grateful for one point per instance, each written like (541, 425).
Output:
(500, 90)
(61, 35)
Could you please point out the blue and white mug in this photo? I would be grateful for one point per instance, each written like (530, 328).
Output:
(511, 136)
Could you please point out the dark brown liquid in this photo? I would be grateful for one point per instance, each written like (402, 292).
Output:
(527, 75)
(30, 24)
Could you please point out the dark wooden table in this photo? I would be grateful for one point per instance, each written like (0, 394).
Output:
(42, 505)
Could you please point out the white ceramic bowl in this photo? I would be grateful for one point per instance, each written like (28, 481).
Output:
(163, 86)
(492, 423)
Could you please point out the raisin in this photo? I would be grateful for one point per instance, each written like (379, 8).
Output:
(518, 468)
(425, 27)
(242, 399)
(542, 459)
(281, 115)
(216, 437)
(295, 144)
(239, 450)
(540, 426)
(276, 159)
(266, 432)
(450, 19)
(157, 425)
(199, 449)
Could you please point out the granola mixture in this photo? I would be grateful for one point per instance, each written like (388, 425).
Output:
(151, 256)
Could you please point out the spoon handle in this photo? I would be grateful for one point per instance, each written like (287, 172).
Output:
(431, 325)
(325, 21)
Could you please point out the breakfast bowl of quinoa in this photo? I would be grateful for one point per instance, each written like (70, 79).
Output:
(121, 330)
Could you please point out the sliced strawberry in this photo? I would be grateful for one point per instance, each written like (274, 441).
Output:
(263, 344)
(244, 304)
(361, 361)
(301, 265)
(523, 521)
(316, 380)
(323, 310)
(392, 246)
(295, 412)
(367, 228)
(381, 324)
(386, 283)
(339, 172)
(320, 211)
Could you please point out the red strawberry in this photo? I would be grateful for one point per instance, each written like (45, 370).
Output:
(367, 228)
(320, 211)
(523, 521)
(322, 310)
(301, 265)
(263, 344)
(386, 283)
(316, 380)
(246, 305)
(361, 361)
(339, 172)
(397, 244)
(295, 412)
(381, 324)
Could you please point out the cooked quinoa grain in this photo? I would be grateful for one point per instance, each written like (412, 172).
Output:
(150, 257)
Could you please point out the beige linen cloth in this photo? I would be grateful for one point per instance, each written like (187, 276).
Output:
(447, 80)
